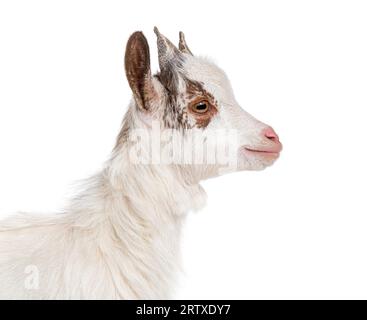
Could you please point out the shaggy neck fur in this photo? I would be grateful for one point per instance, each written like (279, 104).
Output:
(117, 239)
(139, 209)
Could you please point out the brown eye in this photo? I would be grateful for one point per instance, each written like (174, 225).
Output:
(201, 107)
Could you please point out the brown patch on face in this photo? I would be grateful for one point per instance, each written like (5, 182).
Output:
(200, 97)
(179, 106)
(180, 111)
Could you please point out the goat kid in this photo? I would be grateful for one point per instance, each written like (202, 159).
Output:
(119, 237)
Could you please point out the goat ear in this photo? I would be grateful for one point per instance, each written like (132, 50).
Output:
(182, 44)
(137, 68)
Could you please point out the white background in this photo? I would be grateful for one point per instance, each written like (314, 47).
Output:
(295, 230)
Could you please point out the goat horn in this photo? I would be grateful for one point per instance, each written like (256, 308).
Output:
(182, 44)
(170, 61)
(167, 52)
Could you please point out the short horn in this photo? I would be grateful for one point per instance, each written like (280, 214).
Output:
(167, 51)
(182, 45)
(170, 61)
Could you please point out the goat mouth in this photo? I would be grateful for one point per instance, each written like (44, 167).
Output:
(273, 153)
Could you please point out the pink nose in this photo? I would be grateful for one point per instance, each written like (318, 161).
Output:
(270, 134)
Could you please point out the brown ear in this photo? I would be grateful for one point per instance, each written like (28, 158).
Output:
(137, 67)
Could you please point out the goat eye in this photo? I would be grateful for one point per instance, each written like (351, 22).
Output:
(201, 107)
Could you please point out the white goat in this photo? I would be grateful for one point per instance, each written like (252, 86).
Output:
(120, 237)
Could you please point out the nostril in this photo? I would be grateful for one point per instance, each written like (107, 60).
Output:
(270, 134)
